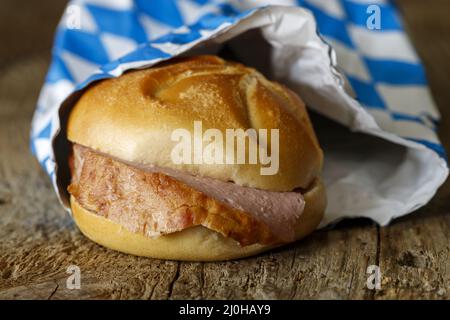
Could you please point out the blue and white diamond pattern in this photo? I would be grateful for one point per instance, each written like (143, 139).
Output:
(381, 65)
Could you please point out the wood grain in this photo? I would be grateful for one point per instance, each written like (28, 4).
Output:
(39, 240)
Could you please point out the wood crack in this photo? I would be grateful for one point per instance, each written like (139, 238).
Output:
(373, 293)
(54, 291)
(175, 279)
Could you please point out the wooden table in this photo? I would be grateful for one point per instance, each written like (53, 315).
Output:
(39, 240)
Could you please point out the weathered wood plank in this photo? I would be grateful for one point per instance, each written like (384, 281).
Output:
(39, 240)
(330, 264)
(414, 258)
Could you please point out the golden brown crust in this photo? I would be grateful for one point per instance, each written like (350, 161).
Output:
(192, 244)
(132, 117)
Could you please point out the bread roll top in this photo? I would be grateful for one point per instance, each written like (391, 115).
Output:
(138, 117)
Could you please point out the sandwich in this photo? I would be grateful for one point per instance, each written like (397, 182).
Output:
(195, 158)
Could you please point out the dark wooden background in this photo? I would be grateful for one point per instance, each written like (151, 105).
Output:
(38, 240)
